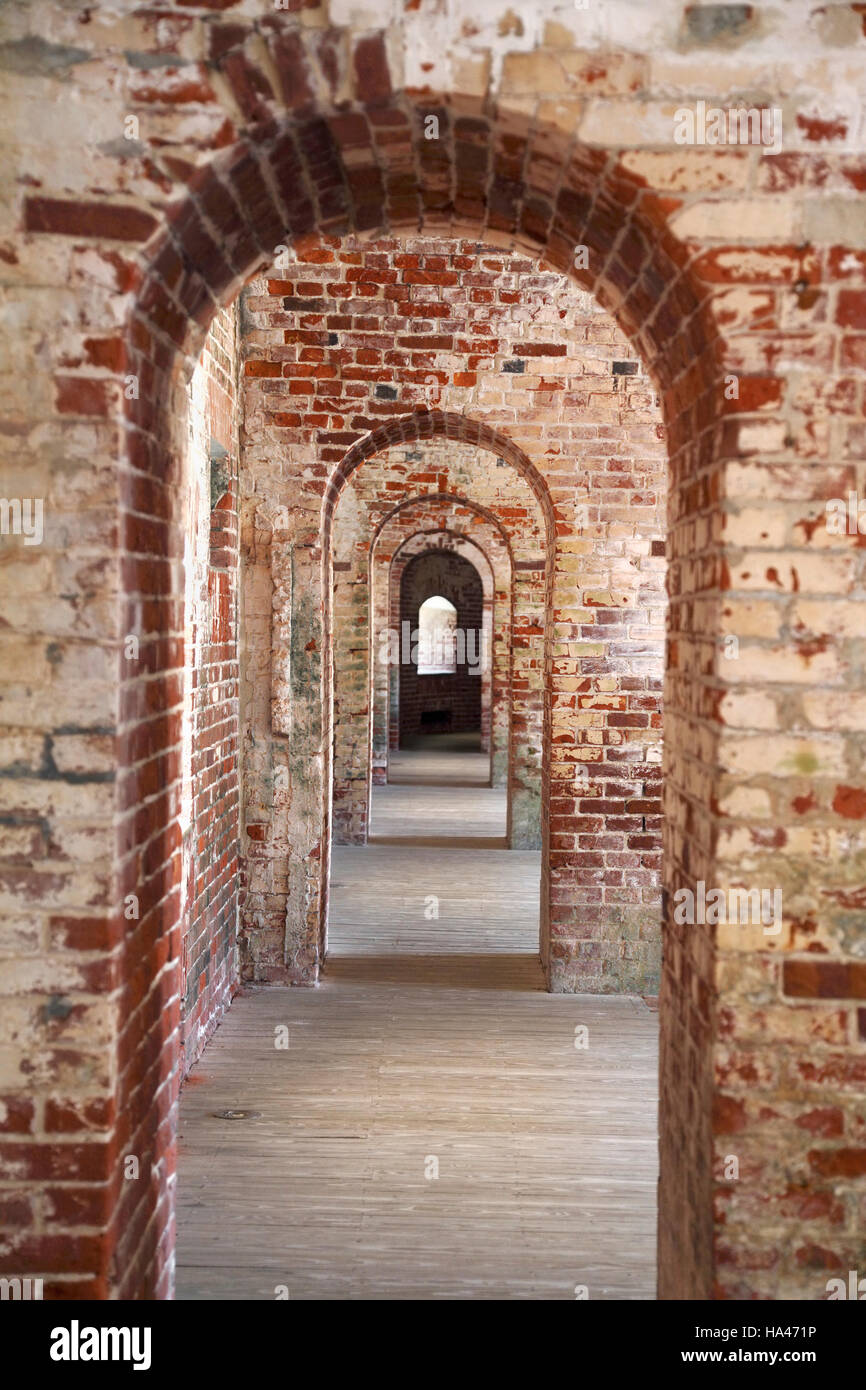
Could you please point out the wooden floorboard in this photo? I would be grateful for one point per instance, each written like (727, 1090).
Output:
(449, 812)
(384, 897)
(426, 1038)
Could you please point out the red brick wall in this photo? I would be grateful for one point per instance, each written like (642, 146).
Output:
(715, 262)
(211, 863)
(179, 762)
(349, 336)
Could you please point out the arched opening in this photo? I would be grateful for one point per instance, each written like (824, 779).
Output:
(438, 820)
(474, 532)
(294, 708)
(448, 648)
(528, 765)
(205, 142)
(441, 666)
(230, 222)
(437, 640)
(293, 704)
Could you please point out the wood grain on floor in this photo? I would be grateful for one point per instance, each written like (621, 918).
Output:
(430, 1045)
(439, 796)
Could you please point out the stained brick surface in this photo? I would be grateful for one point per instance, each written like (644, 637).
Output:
(722, 266)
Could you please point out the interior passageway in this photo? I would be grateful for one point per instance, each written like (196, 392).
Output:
(436, 1127)
(439, 790)
(436, 877)
(316, 315)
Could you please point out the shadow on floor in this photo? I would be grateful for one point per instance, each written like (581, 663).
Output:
(444, 743)
(505, 972)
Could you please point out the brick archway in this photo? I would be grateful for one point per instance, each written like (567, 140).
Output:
(436, 572)
(183, 246)
(433, 424)
(523, 576)
(528, 825)
(361, 757)
(236, 212)
(482, 551)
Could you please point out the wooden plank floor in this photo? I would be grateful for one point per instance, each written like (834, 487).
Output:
(425, 1040)
(487, 900)
(439, 796)
(444, 766)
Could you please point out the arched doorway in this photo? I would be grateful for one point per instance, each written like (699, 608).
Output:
(598, 206)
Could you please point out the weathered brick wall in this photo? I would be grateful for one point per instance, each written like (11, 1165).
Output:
(118, 245)
(455, 699)
(345, 337)
(210, 814)
(182, 756)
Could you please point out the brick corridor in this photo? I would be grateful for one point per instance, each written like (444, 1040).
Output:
(414, 1048)
(421, 886)
(316, 312)
(456, 803)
